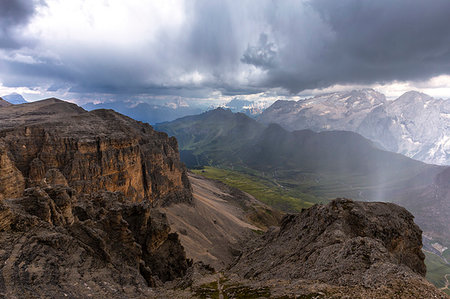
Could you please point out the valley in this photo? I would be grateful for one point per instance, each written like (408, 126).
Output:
(225, 149)
(122, 215)
(295, 170)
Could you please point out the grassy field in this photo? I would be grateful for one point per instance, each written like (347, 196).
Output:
(436, 270)
(263, 188)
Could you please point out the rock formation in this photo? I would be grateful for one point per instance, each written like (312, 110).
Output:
(344, 244)
(54, 142)
(81, 195)
(77, 193)
(55, 244)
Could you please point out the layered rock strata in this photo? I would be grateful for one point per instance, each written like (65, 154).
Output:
(88, 151)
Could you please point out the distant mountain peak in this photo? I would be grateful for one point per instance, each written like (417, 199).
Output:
(415, 124)
(413, 95)
(15, 99)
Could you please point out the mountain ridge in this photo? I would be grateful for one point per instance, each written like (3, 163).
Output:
(77, 218)
(414, 124)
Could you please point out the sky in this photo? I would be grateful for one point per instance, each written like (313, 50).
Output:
(95, 50)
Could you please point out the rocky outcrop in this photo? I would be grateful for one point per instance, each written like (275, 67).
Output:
(344, 243)
(78, 191)
(54, 142)
(55, 244)
(12, 182)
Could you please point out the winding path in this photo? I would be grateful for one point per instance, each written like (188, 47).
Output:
(447, 284)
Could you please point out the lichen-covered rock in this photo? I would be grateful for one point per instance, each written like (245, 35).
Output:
(55, 244)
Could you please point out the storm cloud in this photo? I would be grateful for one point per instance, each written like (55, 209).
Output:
(13, 15)
(194, 48)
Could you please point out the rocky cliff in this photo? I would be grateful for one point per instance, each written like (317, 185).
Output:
(56, 244)
(78, 220)
(78, 191)
(57, 143)
(353, 246)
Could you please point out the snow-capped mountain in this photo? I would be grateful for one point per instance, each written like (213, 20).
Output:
(415, 124)
(250, 108)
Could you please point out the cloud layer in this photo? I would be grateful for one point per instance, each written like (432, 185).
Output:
(195, 48)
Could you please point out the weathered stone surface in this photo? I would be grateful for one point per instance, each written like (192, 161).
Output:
(56, 244)
(12, 182)
(90, 151)
(344, 243)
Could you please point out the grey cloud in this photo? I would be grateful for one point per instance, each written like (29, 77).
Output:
(298, 45)
(13, 15)
(262, 55)
(368, 41)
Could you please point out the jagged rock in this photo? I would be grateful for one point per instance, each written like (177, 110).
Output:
(56, 244)
(344, 243)
(52, 142)
(12, 182)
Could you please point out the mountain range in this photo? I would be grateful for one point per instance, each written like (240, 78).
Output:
(324, 162)
(313, 167)
(415, 124)
(96, 204)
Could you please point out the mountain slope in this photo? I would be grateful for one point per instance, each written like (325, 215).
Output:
(78, 198)
(325, 163)
(293, 170)
(4, 103)
(415, 124)
(74, 222)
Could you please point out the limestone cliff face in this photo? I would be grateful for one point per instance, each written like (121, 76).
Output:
(56, 244)
(77, 192)
(92, 151)
(12, 182)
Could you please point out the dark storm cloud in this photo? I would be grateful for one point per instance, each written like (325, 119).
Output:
(13, 15)
(243, 47)
(367, 41)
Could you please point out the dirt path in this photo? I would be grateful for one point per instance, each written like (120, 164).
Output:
(447, 283)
